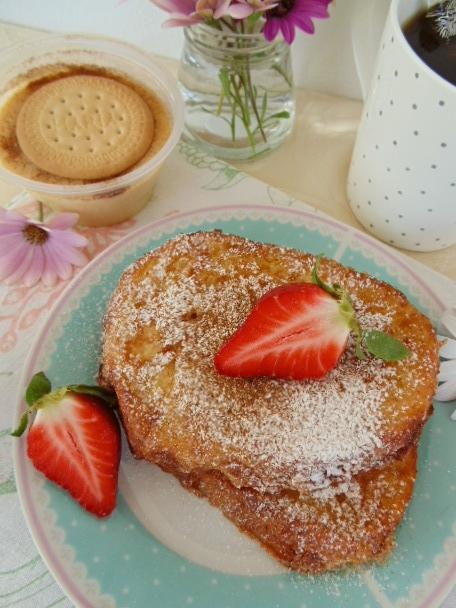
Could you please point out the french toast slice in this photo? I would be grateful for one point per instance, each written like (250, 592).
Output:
(176, 306)
(343, 525)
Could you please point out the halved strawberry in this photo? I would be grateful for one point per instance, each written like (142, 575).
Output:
(74, 441)
(294, 332)
(298, 332)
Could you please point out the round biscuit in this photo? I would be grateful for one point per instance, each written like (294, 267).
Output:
(85, 127)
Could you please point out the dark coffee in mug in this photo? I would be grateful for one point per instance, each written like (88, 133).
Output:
(437, 52)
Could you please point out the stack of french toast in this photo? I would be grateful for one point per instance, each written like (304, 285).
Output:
(316, 464)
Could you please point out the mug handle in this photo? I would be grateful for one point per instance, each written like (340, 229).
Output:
(366, 31)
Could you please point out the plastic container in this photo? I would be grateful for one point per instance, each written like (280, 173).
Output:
(112, 200)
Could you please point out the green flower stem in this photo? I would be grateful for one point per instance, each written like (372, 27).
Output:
(245, 77)
(220, 103)
(40, 211)
(239, 91)
(233, 114)
(248, 89)
(228, 25)
(244, 108)
(284, 75)
(253, 102)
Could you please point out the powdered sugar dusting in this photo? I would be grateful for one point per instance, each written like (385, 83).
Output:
(263, 433)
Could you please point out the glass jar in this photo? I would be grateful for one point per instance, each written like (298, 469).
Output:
(238, 92)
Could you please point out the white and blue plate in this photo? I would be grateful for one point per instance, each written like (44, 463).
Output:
(164, 548)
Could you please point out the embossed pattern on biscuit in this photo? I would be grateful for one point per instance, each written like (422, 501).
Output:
(85, 127)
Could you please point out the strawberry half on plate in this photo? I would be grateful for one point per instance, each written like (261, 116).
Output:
(74, 440)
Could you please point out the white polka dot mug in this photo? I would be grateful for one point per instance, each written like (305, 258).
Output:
(402, 178)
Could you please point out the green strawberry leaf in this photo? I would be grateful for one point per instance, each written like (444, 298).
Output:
(359, 350)
(335, 293)
(383, 346)
(345, 304)
(38, 387)
(377, 343)
(21, 427)
(97, 391)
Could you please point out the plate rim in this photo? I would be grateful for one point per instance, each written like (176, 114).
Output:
(435, 595)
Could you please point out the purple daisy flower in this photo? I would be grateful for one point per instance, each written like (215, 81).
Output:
(30, 250)
(289, 14)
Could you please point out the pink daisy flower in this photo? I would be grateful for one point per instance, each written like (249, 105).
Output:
(216, 9)
(182, 12)
(289, 14)
(30, 250)
(189, 12)
(260, 6)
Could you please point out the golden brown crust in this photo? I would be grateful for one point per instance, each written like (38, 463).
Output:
(332, 529)
(175, 307)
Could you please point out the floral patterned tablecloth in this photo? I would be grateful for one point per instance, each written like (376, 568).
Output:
(190, 180)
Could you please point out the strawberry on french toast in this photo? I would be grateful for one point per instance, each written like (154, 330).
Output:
(232, 359)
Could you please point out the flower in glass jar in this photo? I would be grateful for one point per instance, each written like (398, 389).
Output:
(30, 250)
(255, 107)
(289, 14)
